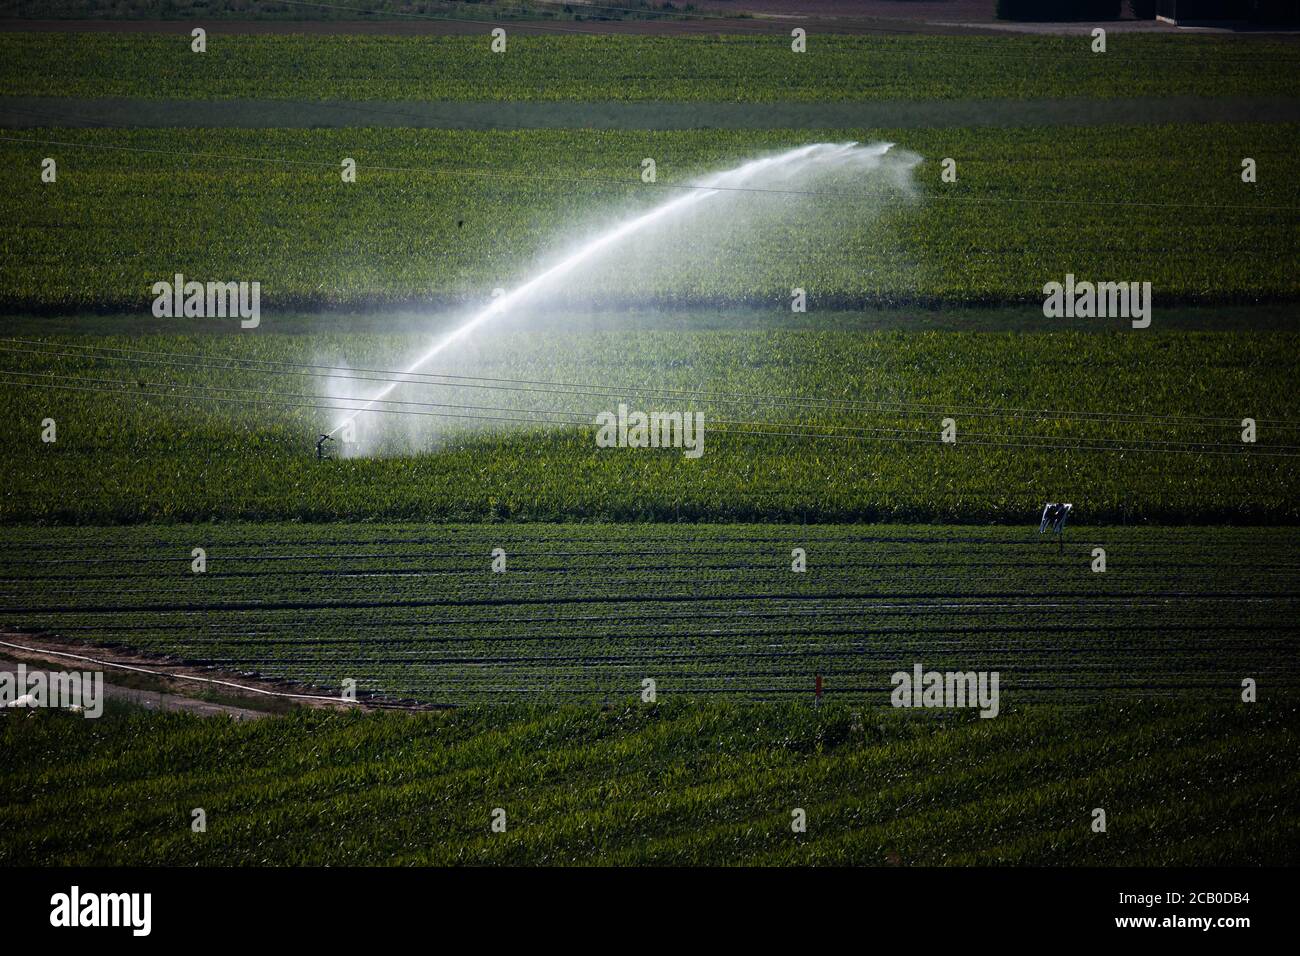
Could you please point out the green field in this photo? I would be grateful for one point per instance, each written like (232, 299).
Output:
(441, 217)
(1187, 784)
(615, 68)
(840, 425)
(586, 612)
(130, 439)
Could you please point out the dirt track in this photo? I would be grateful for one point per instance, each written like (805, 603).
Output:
(149, 699)
(147, 681)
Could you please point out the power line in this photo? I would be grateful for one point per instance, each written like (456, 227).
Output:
(898, 409)
(591, 390)
(585, 418)
(1209, 448)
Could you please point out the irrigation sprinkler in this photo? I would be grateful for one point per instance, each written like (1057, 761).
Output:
(1054, 516)
(322, 453)
(737, 181)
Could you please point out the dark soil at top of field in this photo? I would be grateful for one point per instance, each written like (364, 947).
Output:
(699, 27)
(931, 17)
(595, 12)
(947, 20)
(936, 18)
(436, 27)
(939, 15)
(918, 11)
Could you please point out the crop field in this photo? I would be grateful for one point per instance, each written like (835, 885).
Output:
(398, 476)
(1187, 784)
(613, 68)
(586, 612)
(803, 426)
(440, 216)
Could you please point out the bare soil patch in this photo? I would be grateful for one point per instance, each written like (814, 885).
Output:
(170, 684)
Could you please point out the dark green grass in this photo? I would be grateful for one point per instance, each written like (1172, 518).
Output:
(587, 612)
(440, 216)
(1182, 784)
(725, 68)
(156, 452)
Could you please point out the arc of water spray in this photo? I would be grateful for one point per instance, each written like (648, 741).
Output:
(602, 242)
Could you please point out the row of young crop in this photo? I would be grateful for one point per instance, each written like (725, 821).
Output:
(625, 68)
(447, 216)
(505, 578)
(469, 576)
(1054, 626)
(670, 784)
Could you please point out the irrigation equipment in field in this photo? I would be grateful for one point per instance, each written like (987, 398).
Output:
(745, 180)
(322, 453)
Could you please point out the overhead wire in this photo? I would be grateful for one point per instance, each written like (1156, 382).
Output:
(980, 440)
(703, 396)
